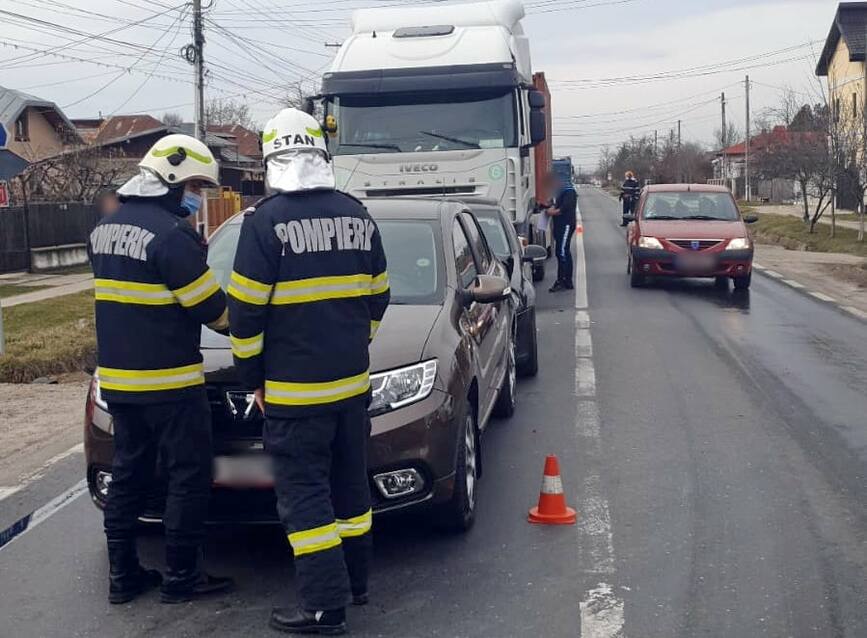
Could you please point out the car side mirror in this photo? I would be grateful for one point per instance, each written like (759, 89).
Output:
(534, 252)
(487, 289)
(629, 218)
(751, 219)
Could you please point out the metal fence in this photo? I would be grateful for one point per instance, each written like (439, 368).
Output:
(47, 225)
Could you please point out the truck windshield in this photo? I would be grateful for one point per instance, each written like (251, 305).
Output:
(404, 123)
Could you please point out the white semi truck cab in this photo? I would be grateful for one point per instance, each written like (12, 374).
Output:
(437, 101)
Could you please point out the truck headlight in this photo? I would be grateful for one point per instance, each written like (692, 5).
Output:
(397, 388)
(649, 242)
(96, 393)
(738, 243)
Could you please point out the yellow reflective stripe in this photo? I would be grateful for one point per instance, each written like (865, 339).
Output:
(374, 328)
(132, 292)
(198, 290)
(379, 284)
(247, 347)
(322, 288)
(355, 526)
(314, 540)
(151, 380)
(290, 393)
(249, 290)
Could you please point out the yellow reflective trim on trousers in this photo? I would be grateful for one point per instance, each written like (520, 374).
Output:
(374, 328)
(249, 290)
(299, 394)
(247, 347)
(355, 526)
(132, 292)
(151, 380)
(379, 284)
(321, 289)
(198, 290)
(314, 540)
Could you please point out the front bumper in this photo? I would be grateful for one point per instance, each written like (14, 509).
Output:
(664, 263)
(420, 437)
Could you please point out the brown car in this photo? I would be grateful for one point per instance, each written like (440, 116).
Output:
(443, 361)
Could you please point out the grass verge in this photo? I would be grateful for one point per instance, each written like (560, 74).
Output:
(48, 337)
(11, 290)
(791, 232)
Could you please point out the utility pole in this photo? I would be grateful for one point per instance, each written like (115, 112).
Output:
(199, 66)
(679, 159)
(724, 138)
(656, 143)
(747, 191)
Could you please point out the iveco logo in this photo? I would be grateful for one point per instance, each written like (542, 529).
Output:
(241, 405)
(419, 168)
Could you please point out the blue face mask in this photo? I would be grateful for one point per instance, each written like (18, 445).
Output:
(191, 202)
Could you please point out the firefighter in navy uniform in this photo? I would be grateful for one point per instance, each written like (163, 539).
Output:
(153, 292)
(630, 190)
(307, 292)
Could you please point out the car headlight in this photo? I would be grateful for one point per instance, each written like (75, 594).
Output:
(738, 243)
(397, 388)
(649, 242)
(96, 394)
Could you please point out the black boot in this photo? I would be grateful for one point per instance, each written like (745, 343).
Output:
(299, 621)
(126, 577)
(184, 579)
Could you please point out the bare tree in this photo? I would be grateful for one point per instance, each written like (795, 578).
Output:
(724, 139)
(76, 175)
(172, 119)
(222, 112)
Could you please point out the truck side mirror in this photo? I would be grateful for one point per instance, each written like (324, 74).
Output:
(536, 99)
(538, 127)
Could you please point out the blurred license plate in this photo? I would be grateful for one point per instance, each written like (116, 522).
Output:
(251, 470)
(695, 263)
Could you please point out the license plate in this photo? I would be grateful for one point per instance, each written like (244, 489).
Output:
(246, 470)
(695, 263)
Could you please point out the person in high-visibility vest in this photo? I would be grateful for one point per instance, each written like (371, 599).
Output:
(306, 295)
(153, 292)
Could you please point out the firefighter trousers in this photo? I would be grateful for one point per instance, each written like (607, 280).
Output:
(323, 499)
(177, 435)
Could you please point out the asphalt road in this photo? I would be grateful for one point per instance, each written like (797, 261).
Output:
(715, 445)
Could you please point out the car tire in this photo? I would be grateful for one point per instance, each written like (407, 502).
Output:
(459, 513)
(530, 366)
(743, 283)
(504, 408)
(636, 280)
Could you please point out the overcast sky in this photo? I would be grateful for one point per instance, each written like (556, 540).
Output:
(257, 47)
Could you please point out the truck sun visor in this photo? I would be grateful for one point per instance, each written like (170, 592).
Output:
(423, 32)
(463, 76)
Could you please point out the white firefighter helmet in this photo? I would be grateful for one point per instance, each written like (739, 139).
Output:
(292, 130)
(181, 158)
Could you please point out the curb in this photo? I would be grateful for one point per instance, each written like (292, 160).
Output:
(816, 296)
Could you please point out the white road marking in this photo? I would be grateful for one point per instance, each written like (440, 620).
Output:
(855, 311)
(601, 609)
(601, 613)
(758, 266)
(773, 273)
(823, 297)
(793, 284)
(7, 491)
(27, 523)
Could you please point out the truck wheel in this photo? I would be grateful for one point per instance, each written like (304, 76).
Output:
(530, 366)
(459, 514)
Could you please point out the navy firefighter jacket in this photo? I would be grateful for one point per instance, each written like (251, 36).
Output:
(307, 292)
(153, 291)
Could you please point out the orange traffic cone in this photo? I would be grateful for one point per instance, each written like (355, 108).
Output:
(552, 509)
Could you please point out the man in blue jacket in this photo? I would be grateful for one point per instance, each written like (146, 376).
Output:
(564, 215)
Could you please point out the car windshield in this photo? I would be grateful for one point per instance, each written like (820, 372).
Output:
(494, 232)
(685, 205)
(411, 248)
(398, 123)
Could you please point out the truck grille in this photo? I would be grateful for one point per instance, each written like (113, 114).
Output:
(432, 190)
